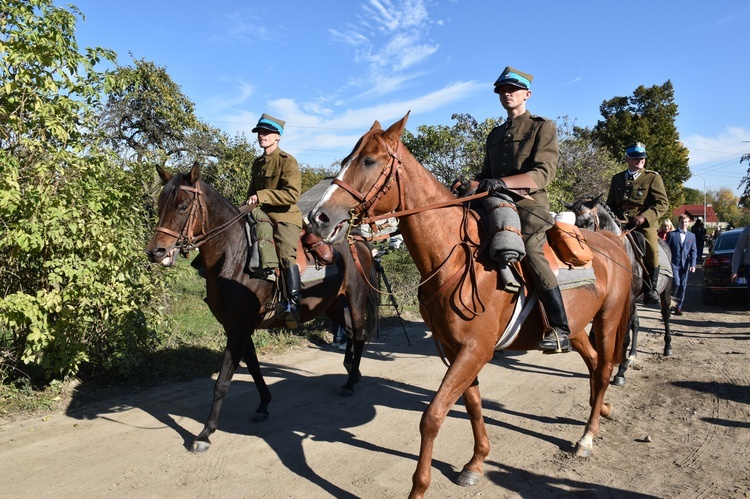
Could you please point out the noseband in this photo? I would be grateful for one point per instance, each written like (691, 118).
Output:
(186, 238)
(361, 214)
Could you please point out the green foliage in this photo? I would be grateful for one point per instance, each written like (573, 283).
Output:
(451, 152)
(75, 288)
(403, 278)
(583, 168)
(647, 116)
(312, 175)
(692, 196)
(726, 207)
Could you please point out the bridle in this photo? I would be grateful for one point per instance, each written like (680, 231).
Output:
(595, 216)
(188, 238)
(361, 213)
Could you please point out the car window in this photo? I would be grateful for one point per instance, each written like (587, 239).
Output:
(727, 241)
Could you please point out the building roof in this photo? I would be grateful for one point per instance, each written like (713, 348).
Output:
(696, 210)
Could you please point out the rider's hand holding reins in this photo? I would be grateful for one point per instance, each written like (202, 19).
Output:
(636, 221)
(493, 186)
(252, 201)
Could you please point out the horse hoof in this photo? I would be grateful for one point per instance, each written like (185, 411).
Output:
(259, 417)
(667, 352)
(346, 392)
(468, 478)
(611, 414)
(618, 381)
(199, 446)
(583, 452)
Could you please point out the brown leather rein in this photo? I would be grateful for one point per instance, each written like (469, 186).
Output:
(187, 239)
(390, 174)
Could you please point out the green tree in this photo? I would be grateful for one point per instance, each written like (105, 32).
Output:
(75, 287)
(451, 152)
(726, 206)
(583, 169)
(148, 121)
(647, 116)
(692, 196)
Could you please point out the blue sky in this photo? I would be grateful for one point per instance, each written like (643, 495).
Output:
(330, 68)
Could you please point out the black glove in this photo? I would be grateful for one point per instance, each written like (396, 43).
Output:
(460, 186)
(636, 221)
(493, 186)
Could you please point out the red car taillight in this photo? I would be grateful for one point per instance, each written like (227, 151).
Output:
(717, 261)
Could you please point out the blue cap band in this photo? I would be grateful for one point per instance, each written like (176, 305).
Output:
(515, 76)
(266, 121)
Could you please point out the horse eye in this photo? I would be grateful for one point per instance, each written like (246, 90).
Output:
(368, 162)
(183, 207)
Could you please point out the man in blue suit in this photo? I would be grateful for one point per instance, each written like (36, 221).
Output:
(684, 254)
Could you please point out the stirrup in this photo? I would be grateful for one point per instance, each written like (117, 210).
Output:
(554, 342)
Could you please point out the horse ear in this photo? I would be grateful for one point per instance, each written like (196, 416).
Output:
(163, 174)
(568, 205)
(195, 173)
(599, 198)
(375, 126)
(397, 129)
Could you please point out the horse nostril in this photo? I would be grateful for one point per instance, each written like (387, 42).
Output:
(158, 254)
(322, 219)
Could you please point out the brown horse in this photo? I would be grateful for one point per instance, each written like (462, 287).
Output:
(191, 210)
(459, 297)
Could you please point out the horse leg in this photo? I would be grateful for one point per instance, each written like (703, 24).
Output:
(253, 365)
(627, 358)
(354, 349)
(472, 470)
(232, 356)
(666, 313)
(465, 367)
(600, 370)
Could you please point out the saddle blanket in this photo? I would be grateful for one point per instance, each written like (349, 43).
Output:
(566, 279)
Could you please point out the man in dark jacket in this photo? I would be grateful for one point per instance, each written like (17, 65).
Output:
(275, 188)
(638, 197)
(521, 155)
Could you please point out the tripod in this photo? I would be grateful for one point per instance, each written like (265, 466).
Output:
(381, 273)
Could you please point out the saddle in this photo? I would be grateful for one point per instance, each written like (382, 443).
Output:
(312, 250)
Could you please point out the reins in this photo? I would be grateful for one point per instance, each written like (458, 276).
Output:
(187, 239)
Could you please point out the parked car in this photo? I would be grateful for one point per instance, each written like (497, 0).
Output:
(717, 270)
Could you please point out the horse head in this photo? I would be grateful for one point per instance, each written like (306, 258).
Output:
(181, 216)
(364, 187)
(587, 211)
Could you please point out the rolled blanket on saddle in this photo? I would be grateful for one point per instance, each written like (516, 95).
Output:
(506, 245)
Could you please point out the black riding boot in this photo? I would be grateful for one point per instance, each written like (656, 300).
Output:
(288, 310)
(556, 340)
(650, 283)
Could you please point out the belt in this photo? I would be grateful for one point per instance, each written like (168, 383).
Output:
(628, 206)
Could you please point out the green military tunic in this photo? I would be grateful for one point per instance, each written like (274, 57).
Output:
(277, 182)
(645, 196)
(527, 145)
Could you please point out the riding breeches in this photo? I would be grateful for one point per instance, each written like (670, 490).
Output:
(534, 224)
(651, 258)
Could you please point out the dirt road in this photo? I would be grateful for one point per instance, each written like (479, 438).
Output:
(694, 408)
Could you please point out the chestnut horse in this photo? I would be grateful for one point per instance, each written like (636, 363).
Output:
(460, 300)
(592, 214)
(190, 210)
